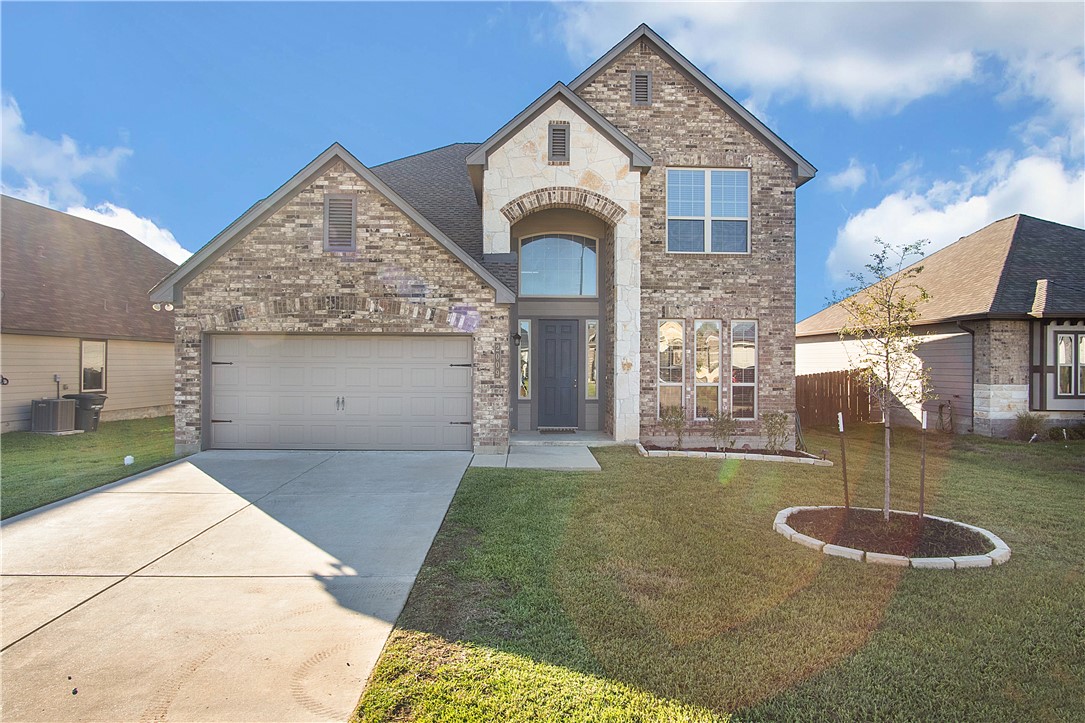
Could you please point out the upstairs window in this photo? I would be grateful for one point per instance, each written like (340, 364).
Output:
(558, 142)
(642, 88)
(708, 211)
(339, 214)
(558, 265)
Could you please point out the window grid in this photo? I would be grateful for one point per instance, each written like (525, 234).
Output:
(708, 211)
(744, 369)
(671, 372)
(706, 368)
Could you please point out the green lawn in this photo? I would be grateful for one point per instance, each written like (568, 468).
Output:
(657, 591)
(36, 469)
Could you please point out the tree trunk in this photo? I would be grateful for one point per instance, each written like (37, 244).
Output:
(885, 504)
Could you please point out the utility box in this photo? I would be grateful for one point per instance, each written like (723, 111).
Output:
(52, 415)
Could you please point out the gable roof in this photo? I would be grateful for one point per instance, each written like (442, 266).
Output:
(436, 183)
(804, 171)
(169, 289)
(476, 160)
(63, 275)
(995, 272)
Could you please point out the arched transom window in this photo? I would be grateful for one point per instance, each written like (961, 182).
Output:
(558, 264)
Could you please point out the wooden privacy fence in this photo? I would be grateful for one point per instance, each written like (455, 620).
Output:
(819, 397)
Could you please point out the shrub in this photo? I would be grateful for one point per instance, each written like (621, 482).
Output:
(723, 428)
(1027, 424)
(775, 427)
(673, 420)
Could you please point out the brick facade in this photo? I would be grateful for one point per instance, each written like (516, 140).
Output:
(1000, 366)
(684, 127)
(399, 280)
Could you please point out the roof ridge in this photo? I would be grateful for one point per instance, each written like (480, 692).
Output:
(422, 153)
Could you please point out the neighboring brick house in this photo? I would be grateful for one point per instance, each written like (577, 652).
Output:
(1003, 331)
(626, 242)
(75, 307)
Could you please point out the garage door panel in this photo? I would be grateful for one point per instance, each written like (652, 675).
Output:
(292, 377)
(358, 377)
(225, 404)
(341, 392)
(291, 406)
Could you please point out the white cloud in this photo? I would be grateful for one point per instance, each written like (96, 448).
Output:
(1035, 185)
(51, 168)
(864, 57)
(142, 229)
(49, 172)
(851, 178)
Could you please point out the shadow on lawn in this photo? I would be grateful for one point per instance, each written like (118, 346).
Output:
(662, 574)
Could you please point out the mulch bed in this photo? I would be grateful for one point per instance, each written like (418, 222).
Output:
(780, 453)
(903, 535)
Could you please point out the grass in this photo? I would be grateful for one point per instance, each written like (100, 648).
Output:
(657, 590)
(36, 469)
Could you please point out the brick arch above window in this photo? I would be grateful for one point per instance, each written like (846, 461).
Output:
(580, 199)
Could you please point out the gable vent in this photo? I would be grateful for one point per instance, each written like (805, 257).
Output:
(558, 146)
(339, 213)
(642, 88)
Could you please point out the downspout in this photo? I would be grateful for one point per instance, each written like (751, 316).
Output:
(972, 373)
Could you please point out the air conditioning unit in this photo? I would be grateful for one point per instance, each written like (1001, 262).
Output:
(52, 415)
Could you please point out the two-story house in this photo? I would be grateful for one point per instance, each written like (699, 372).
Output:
(623, 245)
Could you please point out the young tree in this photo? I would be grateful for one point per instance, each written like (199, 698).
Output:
(882, 306)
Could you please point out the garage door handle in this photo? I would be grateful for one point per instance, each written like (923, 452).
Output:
(216, 364)
(344, 404)
(338, 402)
(222, 421)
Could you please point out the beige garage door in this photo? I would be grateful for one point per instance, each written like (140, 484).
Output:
(340, 392)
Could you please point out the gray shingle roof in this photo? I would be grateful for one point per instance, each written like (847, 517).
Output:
(66, 275)
(437, 185)
(994, 272)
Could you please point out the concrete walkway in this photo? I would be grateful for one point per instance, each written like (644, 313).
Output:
(231, 586)
(565, 458)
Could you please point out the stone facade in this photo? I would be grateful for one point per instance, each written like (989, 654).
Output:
(519, 180)
(278, 278)
(684, 127)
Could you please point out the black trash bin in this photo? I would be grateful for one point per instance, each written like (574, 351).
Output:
(88, 410)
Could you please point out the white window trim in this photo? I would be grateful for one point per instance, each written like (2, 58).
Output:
(659, 381)
(105, 365)
(719, 349)
(708, 218)
(524, 338)
(1076, 362)
(756, 369)
(587, 360)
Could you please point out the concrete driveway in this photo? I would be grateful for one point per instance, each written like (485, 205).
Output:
(231, 586)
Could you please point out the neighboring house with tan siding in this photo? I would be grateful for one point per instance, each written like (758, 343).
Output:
(75, 305)
(624, 244)
(1003, 331)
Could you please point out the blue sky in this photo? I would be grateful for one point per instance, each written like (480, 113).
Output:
(925, 120)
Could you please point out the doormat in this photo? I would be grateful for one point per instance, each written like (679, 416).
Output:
(557, 430)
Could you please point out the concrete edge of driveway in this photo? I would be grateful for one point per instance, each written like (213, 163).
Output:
(99, 488)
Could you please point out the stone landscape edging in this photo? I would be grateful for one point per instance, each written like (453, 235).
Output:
(808, 459)
(997, 556)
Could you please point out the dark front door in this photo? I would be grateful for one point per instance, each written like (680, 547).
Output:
(559, 340)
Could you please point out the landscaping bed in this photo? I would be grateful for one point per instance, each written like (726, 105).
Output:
(731, 450)
(903, 534)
